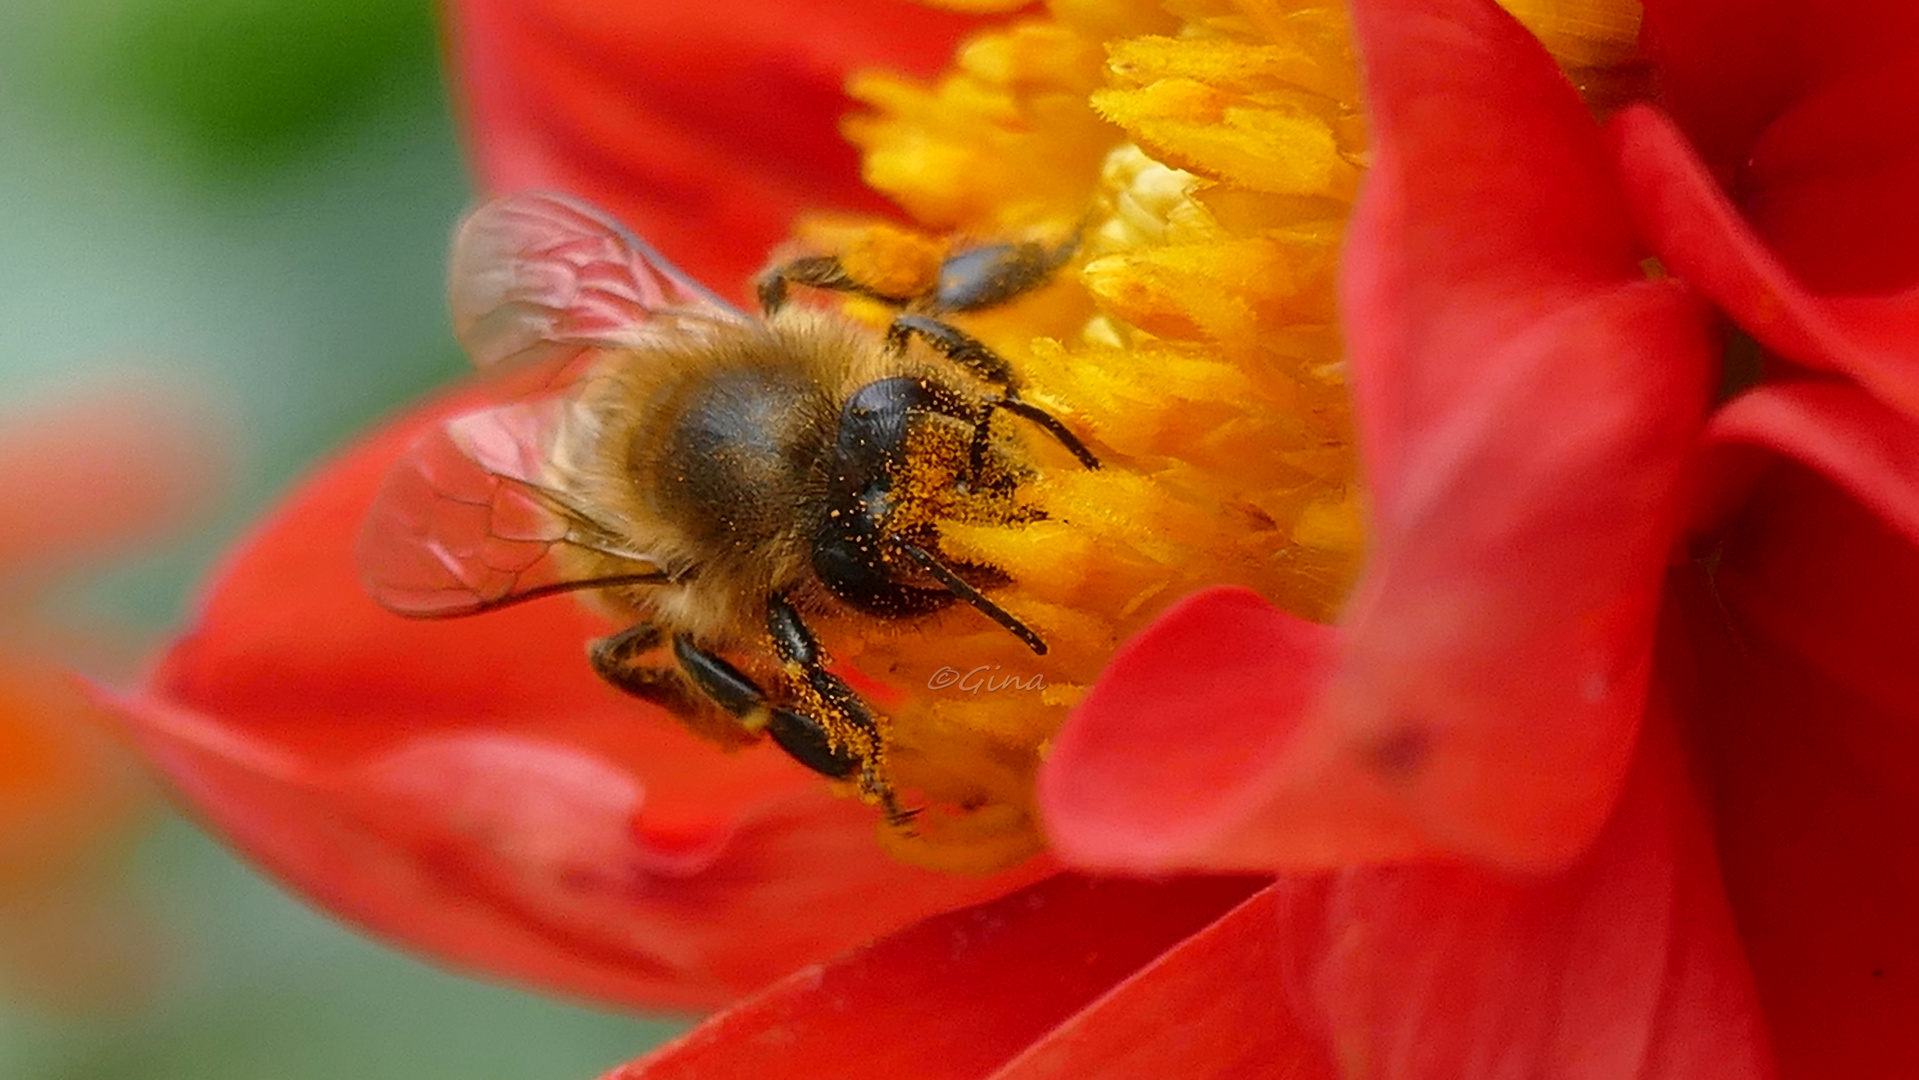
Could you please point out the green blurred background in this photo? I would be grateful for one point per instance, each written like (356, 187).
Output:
(251, 198)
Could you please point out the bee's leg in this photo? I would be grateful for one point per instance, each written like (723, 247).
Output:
(796, 645)
(733, 690)
(695, 692)
(817, 272)
(619, 659)
(985, 277)
(979, 359)
(969, 281)
(962, 348)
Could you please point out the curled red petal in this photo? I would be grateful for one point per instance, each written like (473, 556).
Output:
(1527, 404)
(1688, 221)
(705, 126)
(1720, 68)
(1804, 733)
(1867, 449)
(468, 787)
(1808, 112)
(956, 996)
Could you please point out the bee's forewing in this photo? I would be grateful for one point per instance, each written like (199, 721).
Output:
(467, 521)
(538, 273)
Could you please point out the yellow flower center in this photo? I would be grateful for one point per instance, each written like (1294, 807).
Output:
(1206, 154)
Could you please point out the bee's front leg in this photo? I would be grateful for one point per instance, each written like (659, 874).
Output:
(979, 359)
(631, 662)
(800, 650)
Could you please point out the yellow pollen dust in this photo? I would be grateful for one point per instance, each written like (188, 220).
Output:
(1206, 154)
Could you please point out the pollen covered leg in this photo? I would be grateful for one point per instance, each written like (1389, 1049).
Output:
(733, 690)
(858, 731)
(985, 277)
(817, 272)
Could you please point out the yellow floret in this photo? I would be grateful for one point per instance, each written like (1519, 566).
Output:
(1207, 152)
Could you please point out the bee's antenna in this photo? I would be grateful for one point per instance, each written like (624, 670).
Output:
(958, 587)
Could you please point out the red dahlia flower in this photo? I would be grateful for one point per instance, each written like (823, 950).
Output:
(1601, 770)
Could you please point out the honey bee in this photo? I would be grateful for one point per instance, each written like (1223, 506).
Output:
(713, 480)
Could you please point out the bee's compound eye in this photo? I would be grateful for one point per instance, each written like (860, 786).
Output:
(806, 740)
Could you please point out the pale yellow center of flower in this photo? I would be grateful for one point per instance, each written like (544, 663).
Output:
(1207, 154)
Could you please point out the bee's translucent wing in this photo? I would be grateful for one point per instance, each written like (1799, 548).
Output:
(466, 521)
(539, 273)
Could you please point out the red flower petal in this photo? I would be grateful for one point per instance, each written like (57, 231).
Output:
(1807, 743)
(705, 126)
(1213, 1007)
(1809, 112)
(1720, 68)
(469, 788)
(954, 997)
(1526, 402)
(1698, 234)
(1869, 451)
(1623, 965)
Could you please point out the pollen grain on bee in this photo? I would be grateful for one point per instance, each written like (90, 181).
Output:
(986, 678)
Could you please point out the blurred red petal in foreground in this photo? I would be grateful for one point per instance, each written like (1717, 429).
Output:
(959, 995)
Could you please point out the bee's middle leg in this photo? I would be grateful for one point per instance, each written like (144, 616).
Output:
(802, 737)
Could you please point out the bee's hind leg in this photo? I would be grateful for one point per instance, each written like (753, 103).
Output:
(620, 659)
(971, 280)
(711, 697)
(798, 648)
